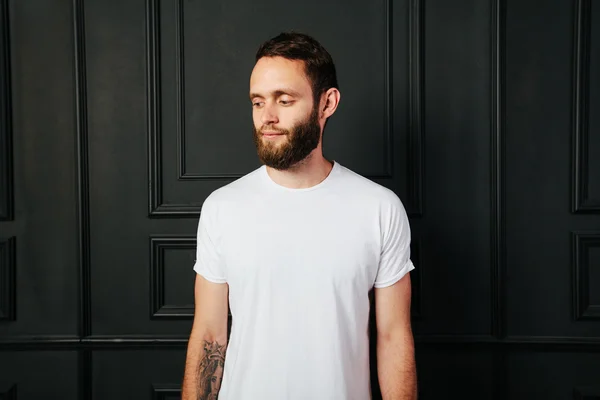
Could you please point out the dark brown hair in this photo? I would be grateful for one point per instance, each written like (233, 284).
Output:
(318, 63)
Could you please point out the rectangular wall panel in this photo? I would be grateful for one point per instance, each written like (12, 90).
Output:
(543, 298)
(8, 269)
(44, 160)
(586, 96)
(586, 275)
(172, 279)
(123, 291)
(455, 231)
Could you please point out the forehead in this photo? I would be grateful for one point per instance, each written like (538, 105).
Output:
(272, 73)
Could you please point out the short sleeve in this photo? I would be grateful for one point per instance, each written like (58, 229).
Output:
(395, 260)
(209, 262)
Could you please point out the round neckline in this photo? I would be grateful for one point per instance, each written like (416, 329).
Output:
(271, 182)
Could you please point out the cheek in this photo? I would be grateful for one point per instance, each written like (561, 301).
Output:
(256, 119)
(294, 116)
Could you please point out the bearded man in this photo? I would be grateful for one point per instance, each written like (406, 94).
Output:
(293, 249)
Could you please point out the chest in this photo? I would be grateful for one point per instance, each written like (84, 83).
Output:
(328, 246)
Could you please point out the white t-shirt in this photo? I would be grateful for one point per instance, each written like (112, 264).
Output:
(300, 264)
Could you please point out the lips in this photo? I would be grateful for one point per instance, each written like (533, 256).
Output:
(266, 133)
(271, 135)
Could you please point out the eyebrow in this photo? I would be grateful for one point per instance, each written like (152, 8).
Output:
(277, 93)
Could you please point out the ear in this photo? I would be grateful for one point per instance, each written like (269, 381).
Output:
(329, 103)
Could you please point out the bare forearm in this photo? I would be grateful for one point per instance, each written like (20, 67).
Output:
(204, 367)
(396, 367)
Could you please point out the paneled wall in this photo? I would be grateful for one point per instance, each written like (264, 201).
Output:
(118, 118)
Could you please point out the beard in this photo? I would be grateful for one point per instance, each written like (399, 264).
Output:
(302, 139)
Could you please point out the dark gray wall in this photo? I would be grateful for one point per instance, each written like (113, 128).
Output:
(118, 118)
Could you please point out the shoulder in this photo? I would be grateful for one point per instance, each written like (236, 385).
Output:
(367, 190)
(233, 192)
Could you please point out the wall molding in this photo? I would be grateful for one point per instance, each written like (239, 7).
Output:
(498, 244)
(166, 392)
(156, 206)
(83, 204)
(8, 282)
(180, 113)
(6, 149)
(389, 91)
(416, 106)
(126, 342)
(581, 203)
(581, 243)
(388, 114)
(153, 109)
(158, 246)
(82, 169)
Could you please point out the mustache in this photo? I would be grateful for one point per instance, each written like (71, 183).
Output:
(270, 128)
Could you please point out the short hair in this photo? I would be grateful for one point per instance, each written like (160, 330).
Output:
(318, 64)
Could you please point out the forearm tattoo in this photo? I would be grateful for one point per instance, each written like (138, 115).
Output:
(210, 371)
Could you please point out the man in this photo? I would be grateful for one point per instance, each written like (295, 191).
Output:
(294, 248)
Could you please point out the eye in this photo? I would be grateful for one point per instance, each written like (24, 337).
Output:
(257, 104)
(285, 102)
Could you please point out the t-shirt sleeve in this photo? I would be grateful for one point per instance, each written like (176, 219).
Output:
(395, 260)
(209, 262)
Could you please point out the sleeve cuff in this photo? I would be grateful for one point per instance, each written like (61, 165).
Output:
(211, 278)
(406, 269)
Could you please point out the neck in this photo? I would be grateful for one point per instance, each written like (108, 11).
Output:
(307, 173)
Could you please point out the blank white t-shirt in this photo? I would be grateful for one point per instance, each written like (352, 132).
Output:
(300, 264)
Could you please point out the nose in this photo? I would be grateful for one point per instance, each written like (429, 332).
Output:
(269, 115)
